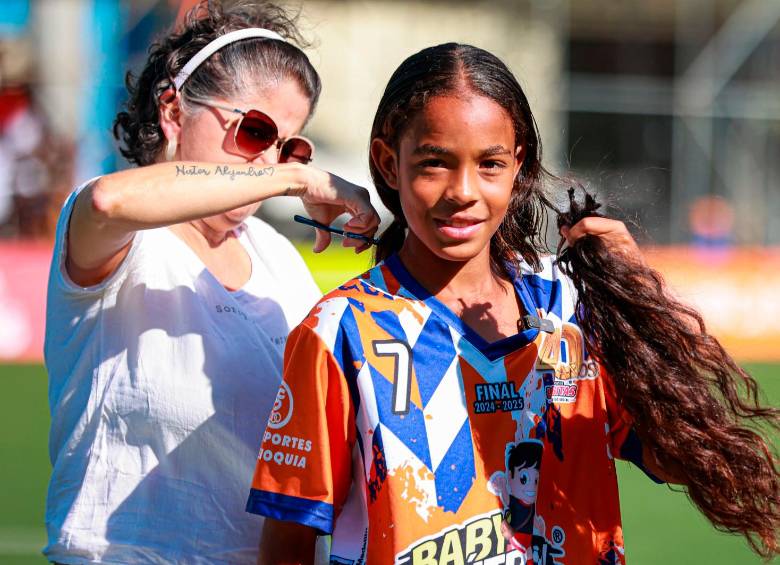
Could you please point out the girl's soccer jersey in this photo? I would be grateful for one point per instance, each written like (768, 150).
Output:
(408, 437)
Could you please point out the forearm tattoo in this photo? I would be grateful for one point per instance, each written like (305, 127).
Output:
(224, 171)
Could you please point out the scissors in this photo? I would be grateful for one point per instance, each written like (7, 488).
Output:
(342, 233)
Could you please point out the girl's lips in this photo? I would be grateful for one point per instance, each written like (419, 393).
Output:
(458, 229)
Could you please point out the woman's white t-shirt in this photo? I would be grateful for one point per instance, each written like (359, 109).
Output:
(160, 385)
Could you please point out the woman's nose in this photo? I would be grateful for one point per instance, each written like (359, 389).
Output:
(268, 157)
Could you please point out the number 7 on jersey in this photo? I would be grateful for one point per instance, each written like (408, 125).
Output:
(402, 372)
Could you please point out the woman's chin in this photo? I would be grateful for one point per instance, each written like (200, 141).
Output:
(233, 220)
(237, 217)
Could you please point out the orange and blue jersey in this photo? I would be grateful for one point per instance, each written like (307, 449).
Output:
(409, 438)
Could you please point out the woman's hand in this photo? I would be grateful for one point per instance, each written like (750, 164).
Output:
(613, 233)
(327, 196)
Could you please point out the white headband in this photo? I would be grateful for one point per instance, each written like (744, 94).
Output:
(218, 44)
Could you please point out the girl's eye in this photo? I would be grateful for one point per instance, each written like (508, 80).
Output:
(431, 164)
(493, 164)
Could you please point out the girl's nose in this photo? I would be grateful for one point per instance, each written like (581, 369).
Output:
(462, 188)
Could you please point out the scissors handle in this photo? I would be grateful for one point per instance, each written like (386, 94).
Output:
(318, 225)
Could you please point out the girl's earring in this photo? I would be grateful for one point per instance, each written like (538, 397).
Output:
(170, 149)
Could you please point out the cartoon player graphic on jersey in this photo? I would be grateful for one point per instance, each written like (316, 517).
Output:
(517, 488)
(520, 483)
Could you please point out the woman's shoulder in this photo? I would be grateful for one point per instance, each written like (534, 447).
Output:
(268, 242)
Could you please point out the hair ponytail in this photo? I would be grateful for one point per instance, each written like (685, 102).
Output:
(679, 385)
(391, 240)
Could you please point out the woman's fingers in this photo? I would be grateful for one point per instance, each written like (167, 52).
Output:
(321, 240)
(328, 196)
(365, 219)
(357, 204)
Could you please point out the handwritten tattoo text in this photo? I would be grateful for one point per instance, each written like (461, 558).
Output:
(224, 171)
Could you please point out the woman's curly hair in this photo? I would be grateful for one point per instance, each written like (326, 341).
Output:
(233, 70)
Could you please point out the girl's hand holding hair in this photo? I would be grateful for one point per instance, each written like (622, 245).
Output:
(613, 233)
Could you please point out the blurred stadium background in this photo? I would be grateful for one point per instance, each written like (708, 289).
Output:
(668, 109)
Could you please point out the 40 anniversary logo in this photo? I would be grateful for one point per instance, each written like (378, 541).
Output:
(478, 541)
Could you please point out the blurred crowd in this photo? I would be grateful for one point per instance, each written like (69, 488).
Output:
(617, 88)
(36, 166)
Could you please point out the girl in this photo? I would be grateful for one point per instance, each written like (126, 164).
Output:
(407, 390)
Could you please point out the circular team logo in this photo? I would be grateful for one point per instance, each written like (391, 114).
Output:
(558, 535)
(283, 408)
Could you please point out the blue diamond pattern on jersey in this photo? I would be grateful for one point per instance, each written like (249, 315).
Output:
(456, 472)
(388, 321)
(347, 349)
(409, 428)
(544, 293)
(432, 355)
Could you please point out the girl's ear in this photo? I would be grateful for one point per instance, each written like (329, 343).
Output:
(519, 158)
(170, 119)
(386, 160)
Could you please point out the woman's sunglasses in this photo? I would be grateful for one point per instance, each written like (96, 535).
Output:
(255, 132)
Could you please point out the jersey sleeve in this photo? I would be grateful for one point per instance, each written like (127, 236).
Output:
(624, 443)
(303, 471)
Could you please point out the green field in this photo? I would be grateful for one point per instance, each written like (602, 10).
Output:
(661, 526)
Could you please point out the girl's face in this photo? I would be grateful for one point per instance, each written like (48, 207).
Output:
(454, 169)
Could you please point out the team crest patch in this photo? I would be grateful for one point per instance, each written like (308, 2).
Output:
(282, 410)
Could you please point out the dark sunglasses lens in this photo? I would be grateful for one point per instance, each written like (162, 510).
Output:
(256, 133)
(296, 150)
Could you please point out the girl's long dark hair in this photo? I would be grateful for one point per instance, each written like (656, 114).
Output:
(693, 407)
(695, 410)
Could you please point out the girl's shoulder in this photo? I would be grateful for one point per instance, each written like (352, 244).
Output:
(375, 288)
(549, 270)
(374, 296)
(549, 287)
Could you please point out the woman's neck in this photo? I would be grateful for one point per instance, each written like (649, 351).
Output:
(213, 238)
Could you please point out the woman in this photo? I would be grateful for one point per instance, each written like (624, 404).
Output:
(169, 304)
(451, 405)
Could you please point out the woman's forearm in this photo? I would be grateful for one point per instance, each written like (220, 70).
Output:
(108, 213)
(171, 193)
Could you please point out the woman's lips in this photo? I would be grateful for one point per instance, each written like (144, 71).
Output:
(458, 228)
